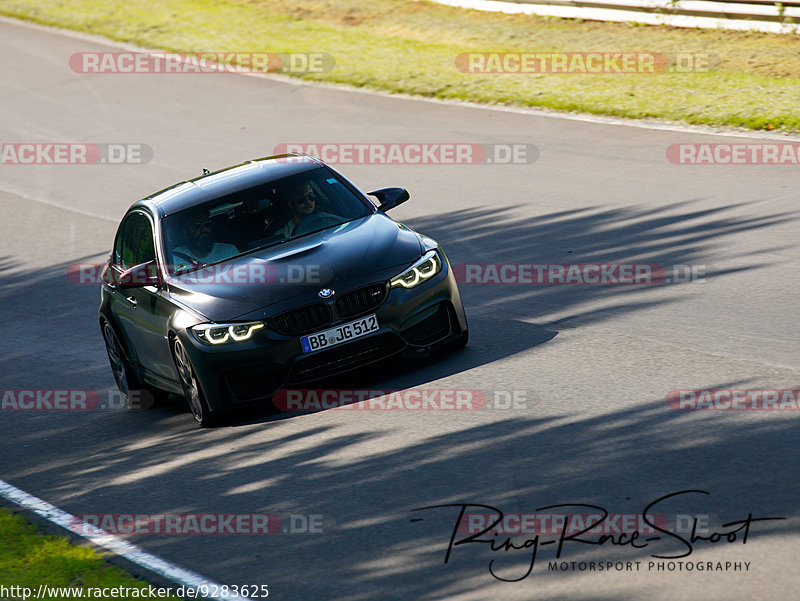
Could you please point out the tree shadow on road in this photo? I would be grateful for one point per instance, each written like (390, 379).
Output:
(364, 482)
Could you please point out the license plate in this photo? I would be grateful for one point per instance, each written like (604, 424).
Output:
(339, 334)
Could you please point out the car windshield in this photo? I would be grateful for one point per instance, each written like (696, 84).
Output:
(258, 217)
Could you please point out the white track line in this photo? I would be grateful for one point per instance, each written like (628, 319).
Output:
(111, 542)
(650, 124)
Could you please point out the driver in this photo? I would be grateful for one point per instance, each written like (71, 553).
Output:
(302, 202)
(200, 248)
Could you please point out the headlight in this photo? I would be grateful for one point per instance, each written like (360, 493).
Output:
(427, 267)
(220, 333)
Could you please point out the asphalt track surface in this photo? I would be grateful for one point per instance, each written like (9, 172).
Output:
(595, 362)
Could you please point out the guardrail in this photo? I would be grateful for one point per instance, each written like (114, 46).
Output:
(744, 15)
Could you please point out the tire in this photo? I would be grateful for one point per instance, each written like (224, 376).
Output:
(137, 394)
(192, 391)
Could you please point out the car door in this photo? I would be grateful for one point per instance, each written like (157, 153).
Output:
(142, 312)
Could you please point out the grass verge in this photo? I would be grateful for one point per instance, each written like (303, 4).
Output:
(29, 559)
(410, 46)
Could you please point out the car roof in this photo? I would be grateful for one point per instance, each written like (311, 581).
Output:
(225, 181)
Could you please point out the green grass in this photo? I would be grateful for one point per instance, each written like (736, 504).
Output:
(29, 559)
(410, 46)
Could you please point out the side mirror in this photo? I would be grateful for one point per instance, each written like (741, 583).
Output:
(389, 198)
(145, 274)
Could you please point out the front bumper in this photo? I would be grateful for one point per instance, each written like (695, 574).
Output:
(416, 319)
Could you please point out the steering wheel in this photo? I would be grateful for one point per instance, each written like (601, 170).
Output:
(193, 261)
(315, 221)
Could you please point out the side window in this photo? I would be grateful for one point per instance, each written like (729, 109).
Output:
(146, 251)
(117, 256)
(134, 244)
(123, 254)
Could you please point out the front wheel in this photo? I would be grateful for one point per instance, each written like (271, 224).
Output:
(191, 387)
(134, 392)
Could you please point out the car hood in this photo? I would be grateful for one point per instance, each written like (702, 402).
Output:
(275, 279)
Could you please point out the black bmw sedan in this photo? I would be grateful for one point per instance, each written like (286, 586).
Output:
(267, 275)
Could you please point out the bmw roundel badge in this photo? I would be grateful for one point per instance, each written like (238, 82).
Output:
(326, 293)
